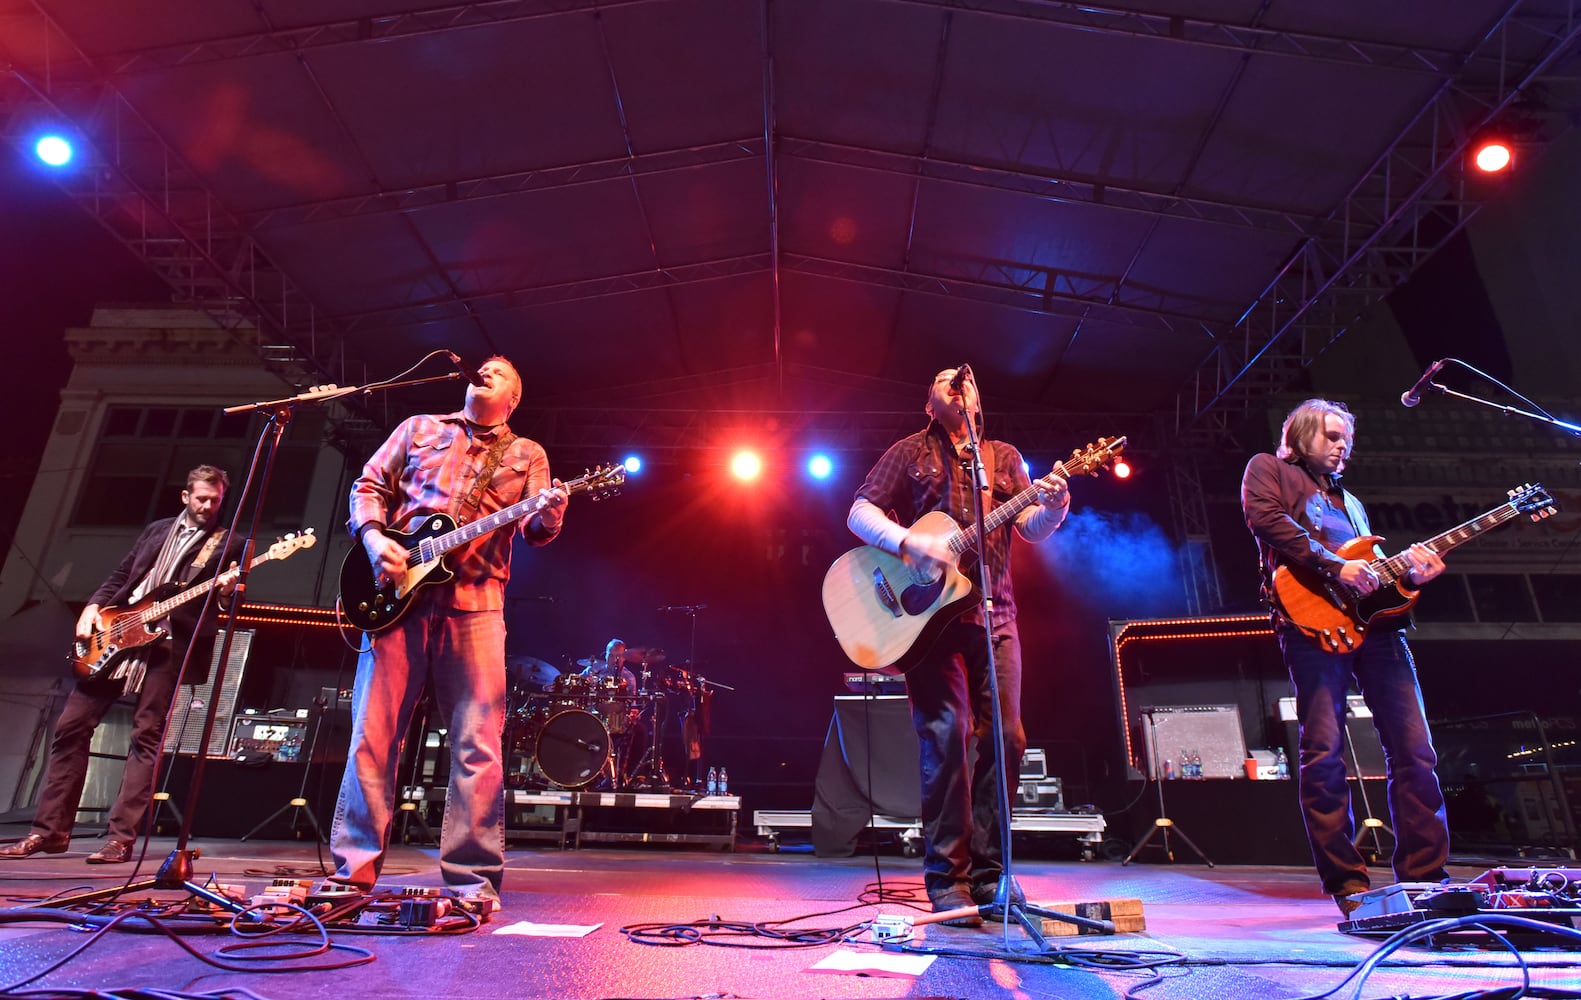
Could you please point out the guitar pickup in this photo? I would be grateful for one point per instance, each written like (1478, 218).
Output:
(886, 593)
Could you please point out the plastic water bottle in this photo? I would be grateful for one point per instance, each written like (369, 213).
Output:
(724, 781)
(1281, 764)
(712, 787)
(1196, 764)
(1185, 766)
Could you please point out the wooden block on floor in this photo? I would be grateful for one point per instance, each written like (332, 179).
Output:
(1126, 914)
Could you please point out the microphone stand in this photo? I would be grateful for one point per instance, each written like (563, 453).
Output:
(178, 870)
(1539, 417)
(1010, 903)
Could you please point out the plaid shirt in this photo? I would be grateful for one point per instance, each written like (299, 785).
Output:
(922, 473)
(425, 467)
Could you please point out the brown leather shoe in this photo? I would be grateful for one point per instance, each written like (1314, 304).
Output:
(35, 843)
(113, 852)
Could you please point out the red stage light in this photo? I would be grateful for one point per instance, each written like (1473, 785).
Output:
(1493, 156)
(746, 465)
(1122, 469)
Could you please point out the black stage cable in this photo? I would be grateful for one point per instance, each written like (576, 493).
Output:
(360, 956)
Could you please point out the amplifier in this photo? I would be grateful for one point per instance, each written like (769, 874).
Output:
(1212, 731)
(280, 737)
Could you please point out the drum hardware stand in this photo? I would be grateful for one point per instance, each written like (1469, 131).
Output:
(1009, 902)
(693, 781)
(1163, 824)
(650, 775)
(298, 807)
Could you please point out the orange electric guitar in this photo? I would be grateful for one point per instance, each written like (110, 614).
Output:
(1332, 615)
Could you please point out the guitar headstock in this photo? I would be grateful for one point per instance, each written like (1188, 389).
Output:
(1533, 501)
(1092, 458)
(296, 541)
(600, 483)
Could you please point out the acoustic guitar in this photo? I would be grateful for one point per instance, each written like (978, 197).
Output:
(886, 613)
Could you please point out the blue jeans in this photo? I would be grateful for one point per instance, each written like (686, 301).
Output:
(460, 656)
(960, 795)
(1386, 677)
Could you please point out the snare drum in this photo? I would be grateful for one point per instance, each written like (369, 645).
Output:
(573, 685)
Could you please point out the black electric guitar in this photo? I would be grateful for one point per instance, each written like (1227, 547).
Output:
(127, 628)
(373, 607)
(886, 613)
(1334, 617)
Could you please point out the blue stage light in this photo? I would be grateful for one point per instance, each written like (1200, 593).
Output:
(53, 150)
(633, 464)
(820, 466)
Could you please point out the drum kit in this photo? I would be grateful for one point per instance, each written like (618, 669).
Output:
(578, 730)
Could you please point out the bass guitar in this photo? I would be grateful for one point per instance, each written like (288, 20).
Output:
(1337, 619)
(887, 613)
(373, 606)
(127, 628)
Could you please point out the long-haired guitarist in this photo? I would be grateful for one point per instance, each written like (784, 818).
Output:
(169, 553)
(948, 686)
(467, 465)
(1300, 516)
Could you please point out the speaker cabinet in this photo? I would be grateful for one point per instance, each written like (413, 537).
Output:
(1213, 732)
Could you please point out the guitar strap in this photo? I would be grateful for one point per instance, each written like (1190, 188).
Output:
(467, 508)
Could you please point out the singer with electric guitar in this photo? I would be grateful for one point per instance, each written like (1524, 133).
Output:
(913, 505)
(468, 470)
(182, 551)
(1309, 530)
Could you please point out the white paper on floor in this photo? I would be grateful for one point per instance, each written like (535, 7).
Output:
(527, 928)
(872, 963)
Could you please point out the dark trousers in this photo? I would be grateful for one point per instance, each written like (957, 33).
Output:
(86, 707)
(1386, 677)
(950, 706)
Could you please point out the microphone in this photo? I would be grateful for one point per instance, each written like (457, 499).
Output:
(1413, 395)
(961, 375)
(470, 374)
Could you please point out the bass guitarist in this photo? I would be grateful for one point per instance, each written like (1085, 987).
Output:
(1300, 516)
(948, 686)
(180, 550)
(466, 464)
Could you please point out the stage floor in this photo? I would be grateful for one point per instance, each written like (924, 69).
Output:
(1246, 932)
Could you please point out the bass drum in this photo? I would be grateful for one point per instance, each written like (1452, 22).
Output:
(573, 748)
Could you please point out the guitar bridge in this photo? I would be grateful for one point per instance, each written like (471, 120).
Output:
(886, 593)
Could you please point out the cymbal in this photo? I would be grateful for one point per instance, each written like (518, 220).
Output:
(530, 670)
(588, 663)
(649, 656)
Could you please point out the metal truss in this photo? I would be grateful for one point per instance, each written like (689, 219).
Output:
(680, 434)
(356, 31)
(516, 182)
(1189, 507)
(1206, 31)
(149, 199)
(1107, 19)
(1409, 204)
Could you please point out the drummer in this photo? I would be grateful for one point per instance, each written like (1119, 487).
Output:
(613, 665)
